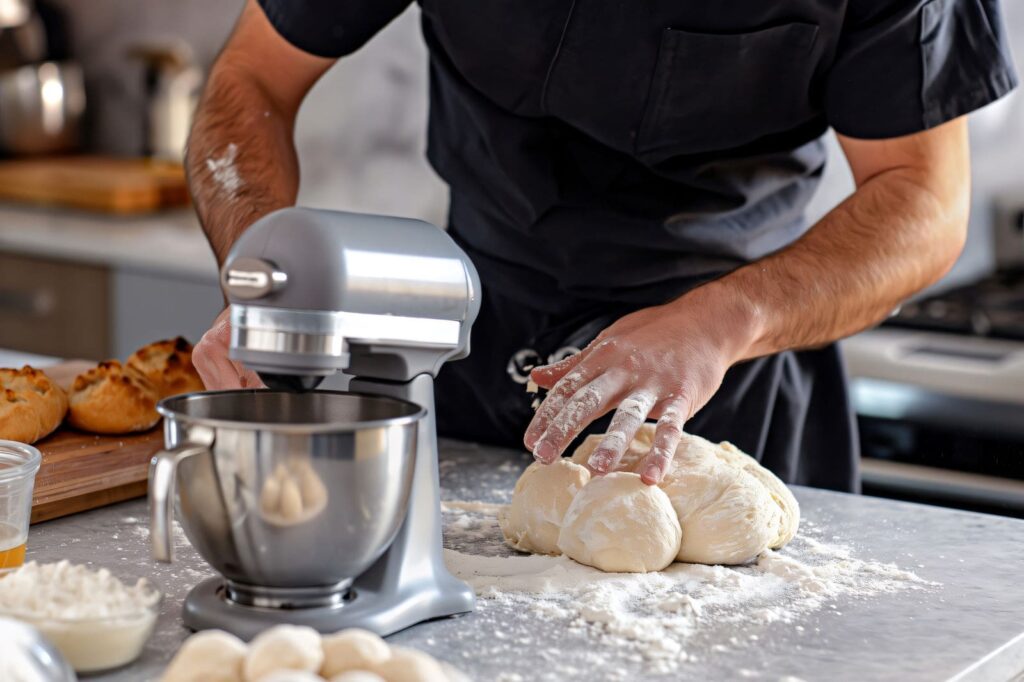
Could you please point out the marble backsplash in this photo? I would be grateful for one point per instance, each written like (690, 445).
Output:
(361, 133)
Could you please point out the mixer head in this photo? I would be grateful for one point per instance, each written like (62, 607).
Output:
(314, 292)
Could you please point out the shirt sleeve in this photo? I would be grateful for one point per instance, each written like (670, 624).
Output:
(330, 28)
(904, 66)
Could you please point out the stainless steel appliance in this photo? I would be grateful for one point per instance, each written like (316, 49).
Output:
(939, 392)
(41, 108)
(374, 303)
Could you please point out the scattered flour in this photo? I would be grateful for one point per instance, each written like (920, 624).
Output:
(224, 171)
(649, 619)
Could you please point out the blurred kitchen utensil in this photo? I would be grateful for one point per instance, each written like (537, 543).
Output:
(172, 85)
(95, 183)
(23, 37)
(41, 108)
(27, 656)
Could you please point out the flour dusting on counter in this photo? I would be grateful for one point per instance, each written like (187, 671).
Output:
(652, 618)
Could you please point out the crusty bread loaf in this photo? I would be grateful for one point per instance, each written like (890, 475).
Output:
(113, 399)
(31, 405)
(168, 367)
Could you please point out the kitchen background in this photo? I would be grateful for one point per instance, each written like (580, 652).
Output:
(942, 411)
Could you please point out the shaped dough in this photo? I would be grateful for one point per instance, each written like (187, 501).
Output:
(207, 656)
(283, 647)
(619, 524)
(540, 499)
(410, 665)
(358, 676)
(352, 649)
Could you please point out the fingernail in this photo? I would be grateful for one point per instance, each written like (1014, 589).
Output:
(651, 475)
(545, 452)
(600, 461)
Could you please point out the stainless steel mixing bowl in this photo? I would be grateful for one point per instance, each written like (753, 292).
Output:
(288, 495)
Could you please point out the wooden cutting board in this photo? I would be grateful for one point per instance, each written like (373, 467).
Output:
(83, 471)
(95, 183)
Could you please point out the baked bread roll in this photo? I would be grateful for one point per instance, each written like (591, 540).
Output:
(112, 399)
(31, 405)
(168, 367)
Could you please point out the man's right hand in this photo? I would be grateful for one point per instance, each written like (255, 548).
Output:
(216, 369)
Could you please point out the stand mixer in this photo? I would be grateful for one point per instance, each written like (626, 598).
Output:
(322, 507)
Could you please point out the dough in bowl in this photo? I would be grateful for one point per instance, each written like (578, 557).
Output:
(540, 499)
(619, 524)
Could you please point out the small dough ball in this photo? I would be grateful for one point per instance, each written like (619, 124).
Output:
(726, 514)
(619, 524)
(358, 676)
(410, 665)
(541, 496)
(631, 457)
(291, 676)
(353, 649)
(207, 656)
(283, 647)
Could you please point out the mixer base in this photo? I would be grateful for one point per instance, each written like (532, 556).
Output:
(207, 606)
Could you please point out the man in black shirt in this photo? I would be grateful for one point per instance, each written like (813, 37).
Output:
(630, 179)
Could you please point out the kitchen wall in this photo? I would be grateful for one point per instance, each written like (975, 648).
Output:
(361, 133)
(361, 136)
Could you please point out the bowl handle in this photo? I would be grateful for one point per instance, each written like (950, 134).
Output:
(162, 472)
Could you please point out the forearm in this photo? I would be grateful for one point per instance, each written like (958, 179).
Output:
(241, 158)
(893, 237)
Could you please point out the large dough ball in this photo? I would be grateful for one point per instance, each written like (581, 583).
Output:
(410, 665)
(353, 649)
(619, 524)
(727, 514)
(631, 457)
(208, 656)
(283, 647)
(541, 497)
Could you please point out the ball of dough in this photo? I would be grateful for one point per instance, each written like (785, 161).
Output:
(283, 647)
(291, 676)
(358, 676)
(207, 656)
(410, 665)
(726, 514)
(631, 457)
(619, 524)
(789, 520)
(541, 496)
(352, 649)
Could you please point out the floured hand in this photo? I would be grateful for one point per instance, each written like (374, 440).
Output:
(663, 362)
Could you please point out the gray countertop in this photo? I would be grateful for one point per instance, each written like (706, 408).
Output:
(971, 625)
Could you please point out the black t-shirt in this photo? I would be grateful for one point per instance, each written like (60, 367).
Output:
(626, 151)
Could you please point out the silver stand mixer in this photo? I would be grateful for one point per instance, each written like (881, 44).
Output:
(322, 507)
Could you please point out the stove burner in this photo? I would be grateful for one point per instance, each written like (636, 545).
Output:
(992, 307)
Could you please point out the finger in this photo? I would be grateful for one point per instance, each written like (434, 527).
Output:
(667, 435)
(553, 404)
(589, 403)
(627, 420)
(215, 369)
(547, 376)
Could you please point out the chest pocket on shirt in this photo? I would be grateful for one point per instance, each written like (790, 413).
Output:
(719, 91)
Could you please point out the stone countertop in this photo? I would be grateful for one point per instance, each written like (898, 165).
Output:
(971, 627)
(169, 242)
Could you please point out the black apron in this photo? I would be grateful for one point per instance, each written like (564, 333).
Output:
(604, 156)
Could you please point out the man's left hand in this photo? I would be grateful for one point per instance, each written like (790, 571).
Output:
(660, 363)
